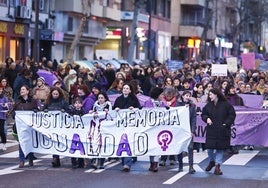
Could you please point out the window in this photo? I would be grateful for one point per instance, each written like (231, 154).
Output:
(163, 8)
(169, 9)
(192, 15)
(3, 2)
(86, 27)
(70, 24)
(81, 53)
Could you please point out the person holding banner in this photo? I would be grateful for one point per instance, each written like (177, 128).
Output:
(185, 100)
(170, 96)
(25, 102)
(76, 109)
(102, 104)
(154, 102)
(128, 100)
(219, 115)
(56, 101)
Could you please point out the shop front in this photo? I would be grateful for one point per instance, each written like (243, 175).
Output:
(13, 40)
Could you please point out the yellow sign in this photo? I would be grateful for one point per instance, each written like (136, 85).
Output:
(19, 29)
(3, 27)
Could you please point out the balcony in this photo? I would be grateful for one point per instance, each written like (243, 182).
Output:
(190, 31)
(193, 23)
(70, 5)
(193, 2)
(111, 13)
(96, 10)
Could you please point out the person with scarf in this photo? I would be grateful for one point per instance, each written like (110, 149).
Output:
(102, 104)
(154, 102)
(170, 99)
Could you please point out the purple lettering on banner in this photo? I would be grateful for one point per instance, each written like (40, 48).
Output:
(164, 138)
(123, 146)
(77, 145)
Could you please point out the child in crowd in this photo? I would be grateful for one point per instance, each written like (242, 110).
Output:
(76, 109)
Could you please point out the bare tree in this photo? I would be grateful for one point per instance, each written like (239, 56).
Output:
(206, 25)
(86, 7)
(251, 15)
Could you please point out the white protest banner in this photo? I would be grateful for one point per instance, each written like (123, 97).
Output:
(232, 64)
(219, 70)
(145, 132)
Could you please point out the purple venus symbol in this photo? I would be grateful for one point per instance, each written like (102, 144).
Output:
(164, 138)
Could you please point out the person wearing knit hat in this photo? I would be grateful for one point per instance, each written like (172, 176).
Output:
(56, 82)
(41, 79)
(72, 71)
(41, 90)
(97, 86)
(70, 79)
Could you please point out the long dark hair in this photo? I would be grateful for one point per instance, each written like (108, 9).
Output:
(61, 95)
(219, 94)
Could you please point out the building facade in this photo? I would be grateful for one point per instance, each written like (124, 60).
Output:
(165, 29)
(202, 25)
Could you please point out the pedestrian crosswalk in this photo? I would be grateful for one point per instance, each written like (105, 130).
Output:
(241, 159)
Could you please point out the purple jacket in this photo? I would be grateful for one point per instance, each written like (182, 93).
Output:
(3, 100)
(88, 102)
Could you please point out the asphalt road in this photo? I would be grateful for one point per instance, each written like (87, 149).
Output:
(248, 169)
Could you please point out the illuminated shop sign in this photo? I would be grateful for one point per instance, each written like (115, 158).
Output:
(19, 29)
(113, 33)
(3, 27)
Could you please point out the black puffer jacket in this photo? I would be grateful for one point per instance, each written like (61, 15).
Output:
(126, 102)
(218, 135)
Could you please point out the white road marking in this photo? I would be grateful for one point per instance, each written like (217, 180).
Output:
(199, 157)
(10, 170)
(242, 158)
(181, 174)
(106, 166)
(175, 177)
(14, 154)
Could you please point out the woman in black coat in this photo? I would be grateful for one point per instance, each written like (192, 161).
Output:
(56, 101)
(127, 100)
(219, 115)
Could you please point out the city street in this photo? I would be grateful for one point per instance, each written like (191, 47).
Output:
(247, 169)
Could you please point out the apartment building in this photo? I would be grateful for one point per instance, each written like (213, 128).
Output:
(198, 25)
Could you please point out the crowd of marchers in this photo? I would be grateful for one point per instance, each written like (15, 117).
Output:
(78, 90)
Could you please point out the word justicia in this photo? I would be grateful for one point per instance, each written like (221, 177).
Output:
(55, 119)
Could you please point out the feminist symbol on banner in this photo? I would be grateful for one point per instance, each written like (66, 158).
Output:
(164, 138)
